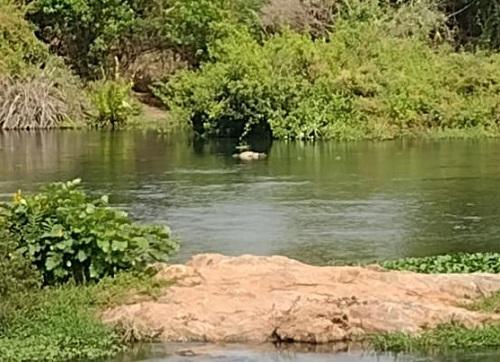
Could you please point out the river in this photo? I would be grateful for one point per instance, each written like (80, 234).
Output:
(322, 203)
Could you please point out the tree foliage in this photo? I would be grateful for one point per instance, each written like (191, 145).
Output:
(356, 85)
(19, 48)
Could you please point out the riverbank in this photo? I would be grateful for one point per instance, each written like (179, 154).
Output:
(252, 299)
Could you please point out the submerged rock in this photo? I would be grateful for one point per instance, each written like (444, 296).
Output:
(249, 156)
(275, 299)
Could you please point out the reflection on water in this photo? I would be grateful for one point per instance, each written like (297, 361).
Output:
(319, 202)
(267, 353)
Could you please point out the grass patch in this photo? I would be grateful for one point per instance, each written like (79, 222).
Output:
(489, 304)
(441, 339)
(61, 324)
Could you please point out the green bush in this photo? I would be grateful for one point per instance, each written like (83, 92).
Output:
(112, 104)
(361, 83)
(457, 263)
(71, 236)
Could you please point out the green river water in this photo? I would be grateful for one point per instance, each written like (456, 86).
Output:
(321, 203)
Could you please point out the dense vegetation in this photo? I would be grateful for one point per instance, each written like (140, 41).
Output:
(70, 236)
(373, 75)
(77, 248)
(357, 85)
(447, 337)
(290, 69)
(458, 263)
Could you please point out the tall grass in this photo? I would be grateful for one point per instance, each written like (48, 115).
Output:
(36, 102)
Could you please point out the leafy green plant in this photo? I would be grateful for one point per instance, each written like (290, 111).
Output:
(71, 236)
(113, 105)
(457, 263)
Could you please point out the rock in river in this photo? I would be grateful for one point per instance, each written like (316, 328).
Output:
(252, 299)
(250, 156)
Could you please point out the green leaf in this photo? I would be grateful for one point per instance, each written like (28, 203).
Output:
(52, 262)
(57, 231)
(119, 245)
(90, 209)
(81, 256)
(141, 242)
(103, 245)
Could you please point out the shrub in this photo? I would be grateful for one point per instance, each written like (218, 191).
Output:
(362, 83)
(36, 89)
(71, 236)
(39, 101)
(458, 263)
(112, 103)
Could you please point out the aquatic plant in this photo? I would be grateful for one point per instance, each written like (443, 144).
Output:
(455, 263)
(71, 236)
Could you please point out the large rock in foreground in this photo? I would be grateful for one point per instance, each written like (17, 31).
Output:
(259, 299)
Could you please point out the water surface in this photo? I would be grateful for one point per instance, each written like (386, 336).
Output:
(238, 353)
(319, 202)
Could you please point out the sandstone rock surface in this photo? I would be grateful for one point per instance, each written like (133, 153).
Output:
(251, 299)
